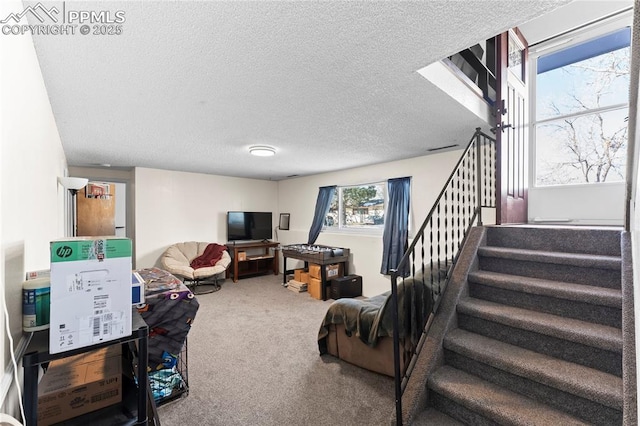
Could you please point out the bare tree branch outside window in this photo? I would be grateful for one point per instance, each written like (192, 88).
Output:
(587, 143)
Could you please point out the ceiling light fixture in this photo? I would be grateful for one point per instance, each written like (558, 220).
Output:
(262, 150)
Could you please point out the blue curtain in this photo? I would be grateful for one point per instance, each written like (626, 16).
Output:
(325, 195)
(395, 239)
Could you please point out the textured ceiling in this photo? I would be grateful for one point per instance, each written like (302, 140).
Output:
(332, 85)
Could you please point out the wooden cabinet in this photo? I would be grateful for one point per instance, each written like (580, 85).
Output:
(252, 259)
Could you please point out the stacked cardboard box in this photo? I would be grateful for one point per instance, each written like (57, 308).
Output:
(79, 384)
(297, 286)
(296, 274)
(332, 271)
(315, 277)
(315, 288)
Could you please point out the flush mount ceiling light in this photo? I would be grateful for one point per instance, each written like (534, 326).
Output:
(262, 150)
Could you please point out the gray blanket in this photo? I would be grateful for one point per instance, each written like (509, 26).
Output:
(372, 318)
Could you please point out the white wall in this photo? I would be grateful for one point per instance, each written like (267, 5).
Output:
(592, 204)
(31, 155)
(174, 206)
(298, 197)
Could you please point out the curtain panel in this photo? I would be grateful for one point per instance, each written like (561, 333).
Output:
(395, 238)
(325, 195)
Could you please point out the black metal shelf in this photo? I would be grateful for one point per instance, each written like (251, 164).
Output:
(133, 408)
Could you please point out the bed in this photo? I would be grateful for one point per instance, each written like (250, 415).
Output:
(360, 331)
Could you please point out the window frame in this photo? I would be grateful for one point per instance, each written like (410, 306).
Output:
(555, 44)
(372, 230)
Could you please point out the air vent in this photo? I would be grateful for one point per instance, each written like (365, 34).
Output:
(442, 147)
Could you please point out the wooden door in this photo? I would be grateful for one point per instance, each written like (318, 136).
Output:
(512, 128)
(96, 210)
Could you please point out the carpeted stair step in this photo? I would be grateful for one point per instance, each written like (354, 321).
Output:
(433, 417)
(583, 392)
(477, 402)
(558, 239)
(594, 270)
(593, 345)
(590, 303)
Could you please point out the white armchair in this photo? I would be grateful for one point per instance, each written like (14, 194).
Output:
(177, 260)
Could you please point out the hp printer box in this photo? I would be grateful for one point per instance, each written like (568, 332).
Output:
(90, 291)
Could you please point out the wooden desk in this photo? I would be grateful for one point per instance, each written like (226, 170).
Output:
(252, 264)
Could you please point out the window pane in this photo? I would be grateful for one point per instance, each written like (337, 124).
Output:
(515, 57)
(592, 83)
(332, 216)
(363, 205)
(358, 207)
(585, 149)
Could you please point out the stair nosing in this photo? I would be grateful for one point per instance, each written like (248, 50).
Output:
(597, 261)
(610, 297)
(600, 387)
(495, 410)
(607, 337)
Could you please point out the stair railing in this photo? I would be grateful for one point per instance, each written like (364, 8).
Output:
(435, 248)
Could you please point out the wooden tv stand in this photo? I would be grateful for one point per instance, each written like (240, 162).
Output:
(252, 264)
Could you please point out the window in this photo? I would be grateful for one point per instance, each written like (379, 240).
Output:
(580, 123)
(358, 207)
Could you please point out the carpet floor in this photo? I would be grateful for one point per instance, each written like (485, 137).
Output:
(253, 360)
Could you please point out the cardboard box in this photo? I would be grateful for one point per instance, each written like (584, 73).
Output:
(314, 270)
(297, 274)
(91, 292)
(331, 271)
(304, 277)
(80, 384)
(242, 255)
(315, 288)
(77, 370)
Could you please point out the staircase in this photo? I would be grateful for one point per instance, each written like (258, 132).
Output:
(538, 338)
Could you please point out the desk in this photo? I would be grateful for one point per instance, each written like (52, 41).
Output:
(318, 254)
(37, 353)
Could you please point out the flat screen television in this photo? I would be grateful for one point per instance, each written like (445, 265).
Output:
(249, 226)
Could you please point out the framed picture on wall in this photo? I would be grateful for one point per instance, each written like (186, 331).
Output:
(284, 221)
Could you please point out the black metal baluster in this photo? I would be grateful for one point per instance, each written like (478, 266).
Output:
(431, 257)
(446, 231)
(474, 174)
(469, 186)
(438, 241)
(458, 205)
